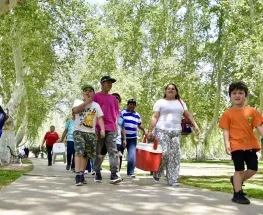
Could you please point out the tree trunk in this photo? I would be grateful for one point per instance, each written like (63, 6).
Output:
(7, 5)
(11, 107)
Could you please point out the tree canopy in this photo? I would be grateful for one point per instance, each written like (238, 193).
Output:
(48, 48)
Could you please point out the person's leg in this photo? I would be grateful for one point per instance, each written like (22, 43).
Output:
(72, 154)
(79, 145)
(131, 148)
(97, 160)
(88, 168)
(174, 161)
(110, 141)
(120, 151)
(239, 157)
(251, 160)
(49, 154)
(163, 139)
(113, 156)
(103, 153)
(92, 164)
(70, 147)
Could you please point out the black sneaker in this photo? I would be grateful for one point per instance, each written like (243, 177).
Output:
(67, 167)
(78, 180)
(98, 177)
(114, 179)
(240, 198)
(156, 179)
(82, 179)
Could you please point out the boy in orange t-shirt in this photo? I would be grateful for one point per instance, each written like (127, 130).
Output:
(238, 123)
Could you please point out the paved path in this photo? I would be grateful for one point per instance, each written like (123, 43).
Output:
(51, 191)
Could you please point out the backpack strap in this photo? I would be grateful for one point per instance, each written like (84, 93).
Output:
(181, 104)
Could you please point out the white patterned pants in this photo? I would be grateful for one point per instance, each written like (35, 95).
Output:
(170, 143)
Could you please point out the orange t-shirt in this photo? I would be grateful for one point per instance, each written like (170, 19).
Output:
(240, 123)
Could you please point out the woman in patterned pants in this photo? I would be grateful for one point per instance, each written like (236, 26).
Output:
(166, 118)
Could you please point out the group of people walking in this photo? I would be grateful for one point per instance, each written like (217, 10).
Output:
(100, 128)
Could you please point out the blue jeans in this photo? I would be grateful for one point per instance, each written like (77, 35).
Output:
(70, 153)
(131, 149)
(90, 165)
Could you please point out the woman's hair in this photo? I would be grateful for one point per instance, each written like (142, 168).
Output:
(117, 96)
(177, 95)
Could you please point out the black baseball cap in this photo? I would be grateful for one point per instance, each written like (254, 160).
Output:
(107, 78)
(131, 101)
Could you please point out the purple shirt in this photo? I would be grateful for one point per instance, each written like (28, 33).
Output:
(110, 109)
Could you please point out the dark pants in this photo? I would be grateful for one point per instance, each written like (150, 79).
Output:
(120, 149)
(70, 153)
(49, 154)
(90, 165)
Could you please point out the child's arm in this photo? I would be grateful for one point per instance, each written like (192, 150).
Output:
(81, 107)
(227, 142)
(260, 130)
(101, 124)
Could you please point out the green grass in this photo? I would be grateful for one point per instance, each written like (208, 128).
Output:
(253, 187)
(8, 176)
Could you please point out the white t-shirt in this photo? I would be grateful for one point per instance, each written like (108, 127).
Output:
(86, 120)
(171, 113)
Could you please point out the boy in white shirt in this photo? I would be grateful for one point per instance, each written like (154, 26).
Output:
(85, 139)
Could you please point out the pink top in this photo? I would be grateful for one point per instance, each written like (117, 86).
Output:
(110, 109)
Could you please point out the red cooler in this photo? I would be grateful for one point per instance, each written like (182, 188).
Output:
(148, 156)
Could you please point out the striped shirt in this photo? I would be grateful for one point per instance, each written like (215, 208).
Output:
(131, 122)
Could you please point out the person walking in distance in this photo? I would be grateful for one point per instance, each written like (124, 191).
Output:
(50, 138)
(69, 129)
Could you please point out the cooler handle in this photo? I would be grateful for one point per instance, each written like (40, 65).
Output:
(155, 141)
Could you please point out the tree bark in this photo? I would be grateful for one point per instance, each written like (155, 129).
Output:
(7, 5)
(11, 107)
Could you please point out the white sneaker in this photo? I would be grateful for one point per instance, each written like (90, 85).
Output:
(86, 172)
(176, 184)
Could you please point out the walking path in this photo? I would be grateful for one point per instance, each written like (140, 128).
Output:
(51, 190)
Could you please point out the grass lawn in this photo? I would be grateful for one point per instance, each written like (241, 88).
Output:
(253, 187)
(7, 176)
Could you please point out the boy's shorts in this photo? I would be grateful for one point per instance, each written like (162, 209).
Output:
(249, 157)
(85, 144)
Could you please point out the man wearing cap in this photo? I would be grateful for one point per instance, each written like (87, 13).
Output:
(132, 121)
(110, 108)
(85, 139)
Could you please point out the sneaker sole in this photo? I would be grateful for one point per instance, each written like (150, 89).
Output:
(241, 202)
(99, 181)
(79, 184)
(116, 181)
